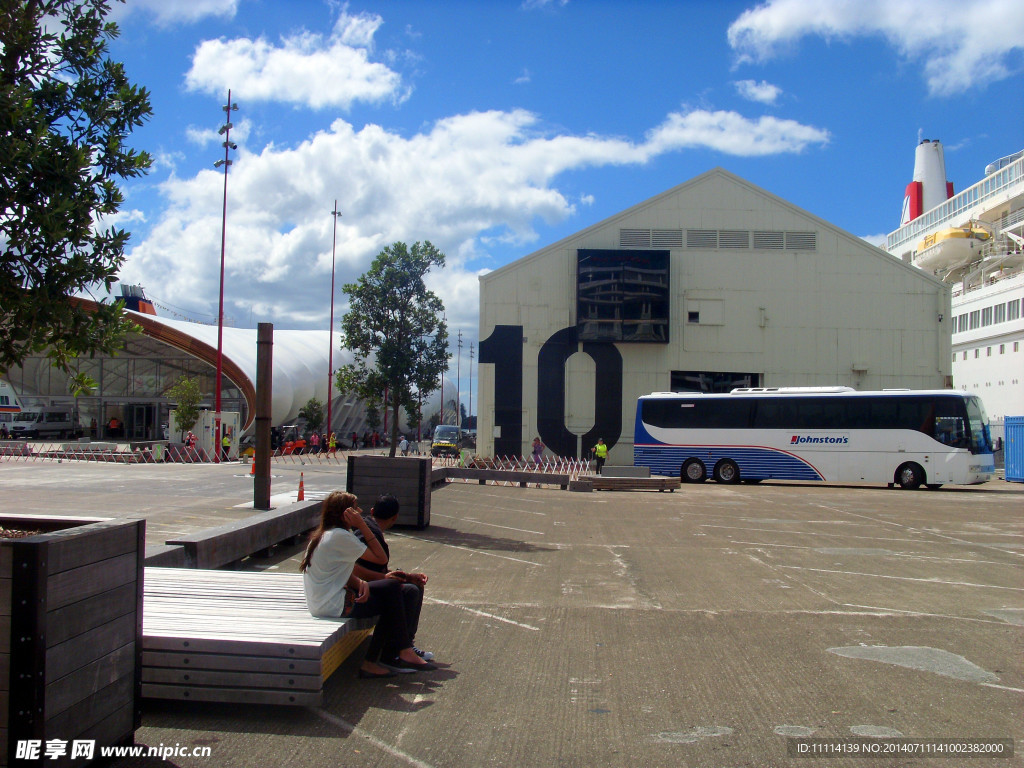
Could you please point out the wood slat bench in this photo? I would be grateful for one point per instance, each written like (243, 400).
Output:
(224, 544)
(238, 637)
(602, 483)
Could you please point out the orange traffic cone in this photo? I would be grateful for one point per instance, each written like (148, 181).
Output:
(253, 470)
(302, 489)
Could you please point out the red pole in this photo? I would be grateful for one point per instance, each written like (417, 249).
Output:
(220, 312)
(330, 335)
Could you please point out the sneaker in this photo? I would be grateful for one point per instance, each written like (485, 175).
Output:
(425, 655)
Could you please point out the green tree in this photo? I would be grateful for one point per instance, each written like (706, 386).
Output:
(66, 110)
(314, 414)
(187, 396)
(394, 328)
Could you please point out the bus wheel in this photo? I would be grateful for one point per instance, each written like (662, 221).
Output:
(727, 472)
(909, 476)
(693, 471)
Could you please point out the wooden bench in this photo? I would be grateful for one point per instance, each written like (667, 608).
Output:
(238, 637)
(522, 477)
(602, 483)
(224, 544)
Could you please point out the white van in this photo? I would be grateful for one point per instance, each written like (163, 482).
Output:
(51, 421)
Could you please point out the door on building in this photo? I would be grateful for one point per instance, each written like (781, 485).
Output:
(140, 422)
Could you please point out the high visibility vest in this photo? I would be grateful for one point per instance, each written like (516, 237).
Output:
(601, 450)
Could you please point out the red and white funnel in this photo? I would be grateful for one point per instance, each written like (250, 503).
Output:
(929, 187)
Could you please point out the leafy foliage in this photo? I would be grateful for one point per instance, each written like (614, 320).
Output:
(66, 110)
(314, 414)
(394, 327)
(186, 394)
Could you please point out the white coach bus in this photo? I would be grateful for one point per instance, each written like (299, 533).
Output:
(834, 434)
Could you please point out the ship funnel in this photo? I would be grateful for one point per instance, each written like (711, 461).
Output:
(929, 187)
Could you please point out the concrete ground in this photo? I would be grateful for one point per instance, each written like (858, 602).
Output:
(699, 628)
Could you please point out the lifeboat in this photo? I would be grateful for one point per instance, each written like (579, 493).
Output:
(952, 247)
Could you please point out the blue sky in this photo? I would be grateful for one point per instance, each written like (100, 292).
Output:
(495, 128)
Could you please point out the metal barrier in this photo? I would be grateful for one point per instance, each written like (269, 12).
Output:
(21, 450)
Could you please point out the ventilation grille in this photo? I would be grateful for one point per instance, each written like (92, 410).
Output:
(769, 241)
(634, 238)
(718, 239)
(667, 238)
(701, 238)
(801, 241)
(733, 238)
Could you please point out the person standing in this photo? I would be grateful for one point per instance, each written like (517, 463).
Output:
(314, 443)
(600, 452)
(538, 452)
(225, 444)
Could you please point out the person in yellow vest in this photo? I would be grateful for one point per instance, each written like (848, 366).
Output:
(600, 452)
(332, 443)
(225, 443)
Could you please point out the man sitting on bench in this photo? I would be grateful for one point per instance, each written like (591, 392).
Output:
(384, 515)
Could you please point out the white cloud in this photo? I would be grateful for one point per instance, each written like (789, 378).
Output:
(959, 43)
(305, 68)
(179, 11)
(734, 134)
(466, 181)
(763, 92)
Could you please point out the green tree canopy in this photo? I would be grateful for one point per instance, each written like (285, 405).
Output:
(187, 396)
(394, 327)
(314, 414)
(66, 110)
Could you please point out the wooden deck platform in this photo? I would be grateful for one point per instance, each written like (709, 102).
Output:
(233, 636)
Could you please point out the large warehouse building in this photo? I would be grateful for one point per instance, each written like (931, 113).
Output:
(712, 285)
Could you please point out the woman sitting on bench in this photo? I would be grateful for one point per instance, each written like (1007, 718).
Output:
(332, 590)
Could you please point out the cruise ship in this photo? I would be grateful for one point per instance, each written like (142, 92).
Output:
(973, 240)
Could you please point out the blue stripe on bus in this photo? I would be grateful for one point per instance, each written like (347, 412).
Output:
(754, 463)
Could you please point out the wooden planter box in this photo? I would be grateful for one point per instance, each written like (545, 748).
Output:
(404, 477)
(70, 634)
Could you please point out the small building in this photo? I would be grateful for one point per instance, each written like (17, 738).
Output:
(712, 285)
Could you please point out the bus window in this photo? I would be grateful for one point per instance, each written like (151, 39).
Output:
(950, 430)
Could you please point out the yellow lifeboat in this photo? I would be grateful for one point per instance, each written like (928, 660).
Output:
(952, 247)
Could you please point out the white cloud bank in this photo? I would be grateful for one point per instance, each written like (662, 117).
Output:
(960, 44)
(306, 68)
(467, 179)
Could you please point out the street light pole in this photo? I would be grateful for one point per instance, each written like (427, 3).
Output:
(458, 384)
(470, 414)
(330, 335)
(225, 131)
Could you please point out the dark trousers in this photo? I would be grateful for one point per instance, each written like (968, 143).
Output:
(389, 603)
(600, 464)
(412, 604)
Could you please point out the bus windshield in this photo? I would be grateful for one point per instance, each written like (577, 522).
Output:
(980, 437)
(446, 433)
